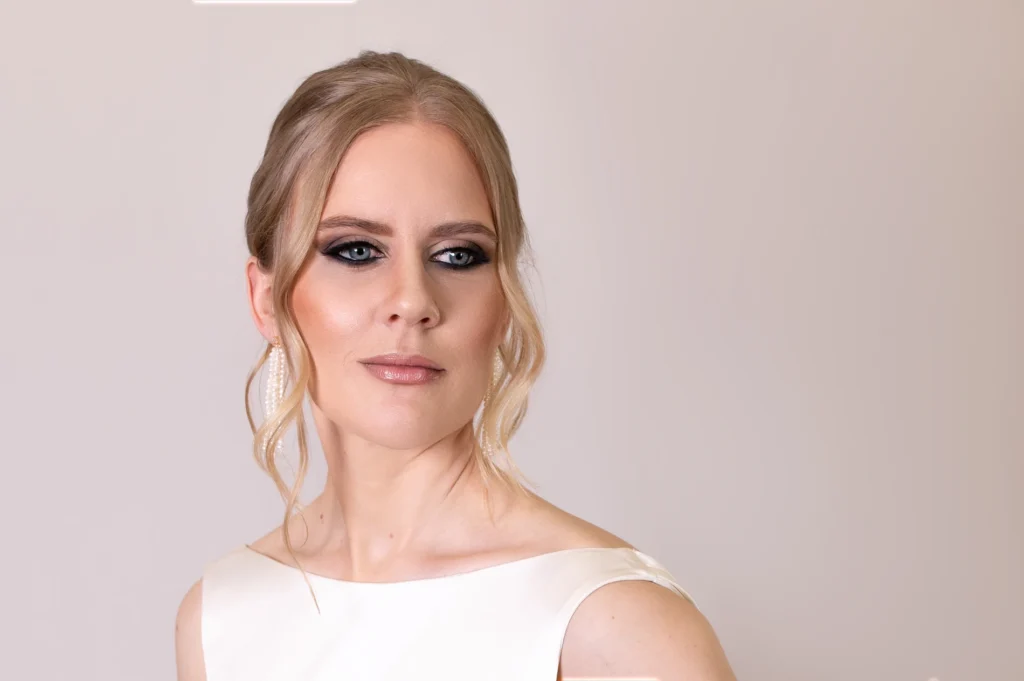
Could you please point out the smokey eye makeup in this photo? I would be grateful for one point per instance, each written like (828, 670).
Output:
(361, 253)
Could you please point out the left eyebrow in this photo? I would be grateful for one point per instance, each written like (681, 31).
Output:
(443, 230)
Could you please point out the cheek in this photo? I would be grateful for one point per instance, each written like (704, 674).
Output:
(327, 316)
(478, 338)
(480, 315)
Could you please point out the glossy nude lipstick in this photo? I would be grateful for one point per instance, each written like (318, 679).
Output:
(403, 369)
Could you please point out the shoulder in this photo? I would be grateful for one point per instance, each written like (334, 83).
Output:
(633, 627)
(638, 628)
(555, 528)
(188, 642)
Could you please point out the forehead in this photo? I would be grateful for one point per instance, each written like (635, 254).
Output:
(408, 175)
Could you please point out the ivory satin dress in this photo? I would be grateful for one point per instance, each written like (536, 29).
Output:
(505, 622)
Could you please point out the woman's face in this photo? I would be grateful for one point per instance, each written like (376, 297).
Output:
(404, 263)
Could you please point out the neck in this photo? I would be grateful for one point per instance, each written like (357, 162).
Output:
(380, 506)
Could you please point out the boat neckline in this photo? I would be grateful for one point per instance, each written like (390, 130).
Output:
(467, 574)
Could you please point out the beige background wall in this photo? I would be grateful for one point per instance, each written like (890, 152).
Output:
(779, 252)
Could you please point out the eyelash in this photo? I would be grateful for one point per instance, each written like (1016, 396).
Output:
(334, 251)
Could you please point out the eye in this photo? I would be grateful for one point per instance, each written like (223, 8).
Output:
(352, 252)
(462, 258)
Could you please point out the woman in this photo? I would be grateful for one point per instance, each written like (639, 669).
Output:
(385, 233)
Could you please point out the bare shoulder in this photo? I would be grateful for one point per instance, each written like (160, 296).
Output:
(630, 628)
(638, 628)
(188, 638)
(271, 543)
(558, 529)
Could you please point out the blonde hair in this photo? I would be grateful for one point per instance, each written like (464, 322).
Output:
(286, 197)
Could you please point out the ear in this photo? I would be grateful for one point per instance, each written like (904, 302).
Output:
(261, 299)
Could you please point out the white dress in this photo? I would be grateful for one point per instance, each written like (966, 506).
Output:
(504, 622)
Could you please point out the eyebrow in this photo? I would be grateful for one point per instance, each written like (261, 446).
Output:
(443, 230)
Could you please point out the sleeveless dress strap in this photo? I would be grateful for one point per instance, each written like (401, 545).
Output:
(588, 572)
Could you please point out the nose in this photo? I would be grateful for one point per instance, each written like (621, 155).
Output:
(412, 301)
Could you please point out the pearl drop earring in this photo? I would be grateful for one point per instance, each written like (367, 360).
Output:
(275, 388)
(497, 368)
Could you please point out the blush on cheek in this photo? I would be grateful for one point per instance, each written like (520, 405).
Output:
(330, 322)
(327, 309)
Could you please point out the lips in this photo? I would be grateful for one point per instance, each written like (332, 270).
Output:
(403, 369)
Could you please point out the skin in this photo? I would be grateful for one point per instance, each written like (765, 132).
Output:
(403, 499)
